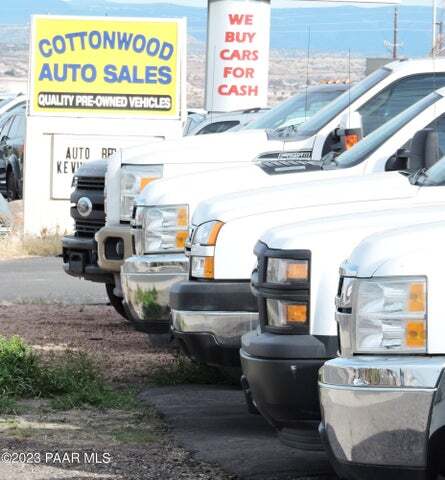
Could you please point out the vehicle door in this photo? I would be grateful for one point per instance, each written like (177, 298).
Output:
(5, 125)
(15, 145)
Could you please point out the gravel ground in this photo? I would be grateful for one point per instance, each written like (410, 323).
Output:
(127, 445)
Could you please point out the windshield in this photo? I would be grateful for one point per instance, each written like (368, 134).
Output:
(378, 137)
(295, 110)
(4, 101)
(329, 112)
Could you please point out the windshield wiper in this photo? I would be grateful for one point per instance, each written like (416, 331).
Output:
(416, 176)
(283, 132)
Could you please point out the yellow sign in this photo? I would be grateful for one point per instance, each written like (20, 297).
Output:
(104, 66)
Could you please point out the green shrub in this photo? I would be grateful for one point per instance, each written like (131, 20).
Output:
(70, 381)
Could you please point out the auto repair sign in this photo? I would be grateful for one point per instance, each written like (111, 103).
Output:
(237, 55)
(104, 66)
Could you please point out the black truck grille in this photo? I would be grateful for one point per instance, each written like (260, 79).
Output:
(91, 183)
(87, 228)
(94, 189)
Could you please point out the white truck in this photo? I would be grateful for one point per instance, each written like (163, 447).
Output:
(377, 98)
(160, 262)
(382, 400)
(295, 283)
(215, 306)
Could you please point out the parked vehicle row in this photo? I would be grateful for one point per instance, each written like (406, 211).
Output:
(12, 145)
(231, 244)
(129, 171)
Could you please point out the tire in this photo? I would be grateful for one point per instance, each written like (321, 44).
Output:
(116, 302)
(11, 187)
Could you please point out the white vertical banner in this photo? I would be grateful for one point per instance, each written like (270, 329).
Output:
(238, 42)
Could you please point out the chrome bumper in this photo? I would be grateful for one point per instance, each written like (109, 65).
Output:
(226, 327)
(146, 283)
(376, 410)
(111, 234)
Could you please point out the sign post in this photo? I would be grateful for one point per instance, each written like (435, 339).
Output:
(238, 37)
(96, 84)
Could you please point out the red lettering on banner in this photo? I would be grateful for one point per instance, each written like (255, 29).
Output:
(238, 90)
(227, 54)
(239, 72)
(237, 19)
(240, 37)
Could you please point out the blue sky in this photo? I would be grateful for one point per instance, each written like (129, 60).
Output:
(275, 3)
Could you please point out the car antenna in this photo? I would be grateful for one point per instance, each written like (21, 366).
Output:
(213, 84)
(307, 70)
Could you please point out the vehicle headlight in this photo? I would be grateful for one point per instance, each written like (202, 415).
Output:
(282, 270)
(133, 180)
(202, 262)
(287, 313)
(161, 228)
(390, 315)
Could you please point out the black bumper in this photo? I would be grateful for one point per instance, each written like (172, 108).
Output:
(281, 373)
(356, 471)
(80, 260)
(214, 297)
(203, 348)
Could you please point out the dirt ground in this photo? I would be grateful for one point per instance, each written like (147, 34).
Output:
(45, 444)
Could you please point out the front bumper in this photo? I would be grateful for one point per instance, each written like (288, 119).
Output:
(114, 245)
(209, 319)
(80, 259)
(146, 283)
(376, 414)
(280, 373)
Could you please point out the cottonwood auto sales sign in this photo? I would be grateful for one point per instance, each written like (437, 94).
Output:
(86, 66)
(237, 54)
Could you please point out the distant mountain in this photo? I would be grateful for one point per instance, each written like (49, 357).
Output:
(362, 31)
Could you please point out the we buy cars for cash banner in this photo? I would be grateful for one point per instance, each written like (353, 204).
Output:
(87, 66)
(237, 54)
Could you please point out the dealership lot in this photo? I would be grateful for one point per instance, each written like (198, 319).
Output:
(209, 432)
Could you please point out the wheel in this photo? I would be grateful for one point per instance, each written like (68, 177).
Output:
(11, 187)
(116, 302)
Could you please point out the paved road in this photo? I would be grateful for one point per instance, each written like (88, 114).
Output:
(37, 280)
(212, 422)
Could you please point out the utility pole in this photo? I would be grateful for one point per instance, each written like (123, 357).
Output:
(394, 45)
(439, 41)
(434, 39)
(395, 33)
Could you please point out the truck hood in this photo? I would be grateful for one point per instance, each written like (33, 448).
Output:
(410, 245)
(222, 147)
(377, 186)
(193, 188)
(340, 230)
(331, 240)
(5, 213)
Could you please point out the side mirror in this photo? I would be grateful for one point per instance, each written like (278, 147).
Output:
(350, 131)
(4, 139)
(424, 149)
(399, 161)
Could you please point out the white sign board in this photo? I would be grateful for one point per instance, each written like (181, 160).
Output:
(70, 152)
(238, 40)
(82, 72)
